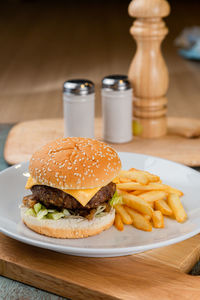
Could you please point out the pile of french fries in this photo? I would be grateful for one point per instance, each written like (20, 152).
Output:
(146, 200)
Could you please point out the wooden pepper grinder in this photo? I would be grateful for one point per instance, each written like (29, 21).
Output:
(148, 72)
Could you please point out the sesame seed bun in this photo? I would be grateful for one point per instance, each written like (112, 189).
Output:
(75, 163)
(68, 227)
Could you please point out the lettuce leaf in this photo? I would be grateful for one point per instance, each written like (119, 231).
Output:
(55, 215)
(41, 212)
(116, 199)
(37, 207)
(31, 212)
(99, 211)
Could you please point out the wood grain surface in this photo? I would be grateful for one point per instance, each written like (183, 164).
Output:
(43, 44)
(27, 137)
(142, 276)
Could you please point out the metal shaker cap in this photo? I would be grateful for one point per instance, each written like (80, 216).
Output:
(116, 83)
(78, 87)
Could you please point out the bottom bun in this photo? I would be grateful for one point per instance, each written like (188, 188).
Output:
(71, 227)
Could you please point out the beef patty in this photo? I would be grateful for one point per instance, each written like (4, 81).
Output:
(55, 198)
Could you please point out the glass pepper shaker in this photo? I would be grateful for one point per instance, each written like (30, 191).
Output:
(117, 109)
(78, 104)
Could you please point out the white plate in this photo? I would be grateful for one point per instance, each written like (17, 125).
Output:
(110, 242)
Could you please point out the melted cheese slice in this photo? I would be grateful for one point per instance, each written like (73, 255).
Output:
(83, 196)
(116, 180)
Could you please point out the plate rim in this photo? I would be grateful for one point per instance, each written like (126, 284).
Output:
(99, 251)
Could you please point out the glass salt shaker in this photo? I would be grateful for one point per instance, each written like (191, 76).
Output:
(117, 109)
(78, 103)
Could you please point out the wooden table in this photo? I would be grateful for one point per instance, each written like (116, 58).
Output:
(43, 43)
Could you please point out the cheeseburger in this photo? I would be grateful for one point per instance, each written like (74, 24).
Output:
(71, 181)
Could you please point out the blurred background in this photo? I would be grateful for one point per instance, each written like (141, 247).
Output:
(43, 43)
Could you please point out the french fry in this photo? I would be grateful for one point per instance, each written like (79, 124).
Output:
(177, 207)
(123, 180)
(163, 207)
(157, 218)
(151, 204)
(139, 221)
(151, 177)
(123, 214)
(147, 217)
(136, 203)
(142, 192)
(131, 186)
(136, 193)
(135, 176)
(152, 196)
(174, 191)
(118, 222)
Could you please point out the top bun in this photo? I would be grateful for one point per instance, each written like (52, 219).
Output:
(75, 163)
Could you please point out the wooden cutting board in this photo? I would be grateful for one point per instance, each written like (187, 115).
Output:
(24, 138)
(156, 274)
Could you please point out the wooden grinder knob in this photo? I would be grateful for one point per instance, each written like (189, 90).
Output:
(148, 72)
